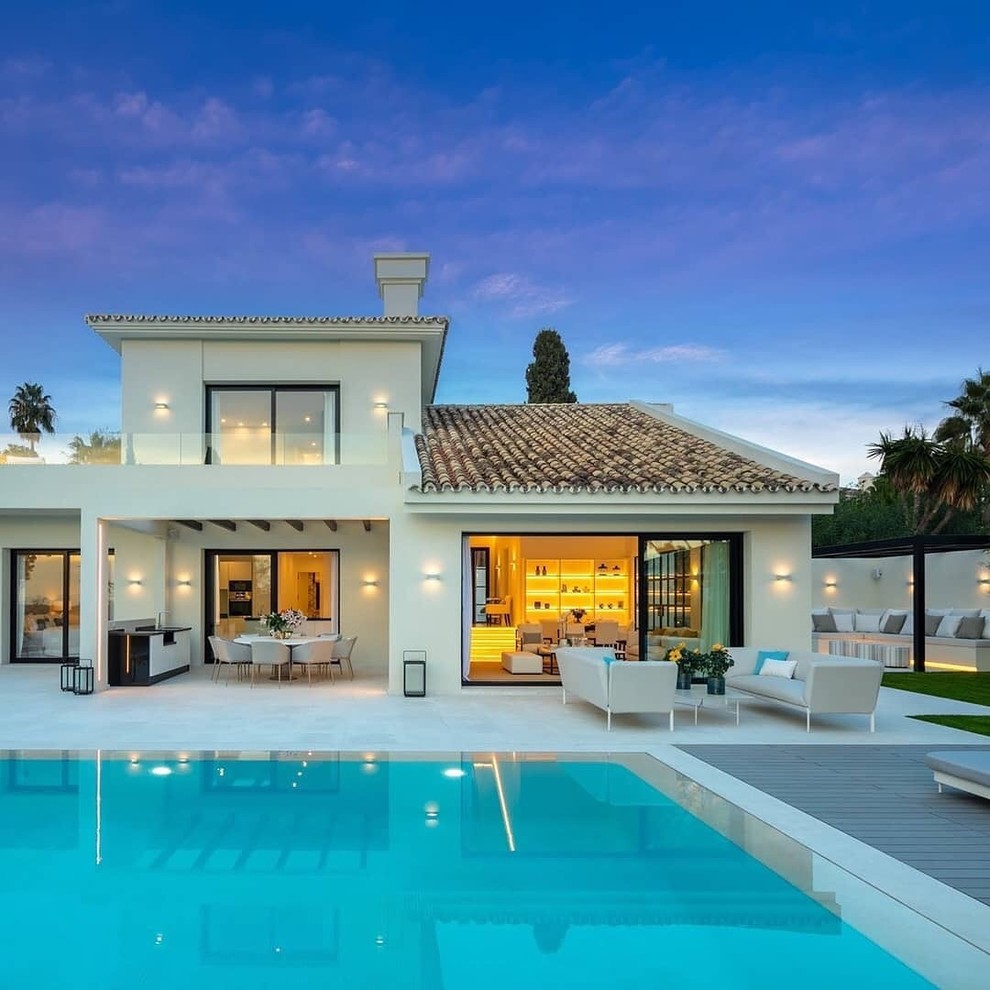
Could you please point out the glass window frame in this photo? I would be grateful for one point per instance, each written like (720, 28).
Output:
(210, 562)
(273, 388)
(66, 555)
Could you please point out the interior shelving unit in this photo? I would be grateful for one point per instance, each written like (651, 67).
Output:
(602, 588)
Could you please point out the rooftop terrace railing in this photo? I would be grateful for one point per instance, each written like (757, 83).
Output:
(230, 449)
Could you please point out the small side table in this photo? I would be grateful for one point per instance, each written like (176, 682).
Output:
(414, 673)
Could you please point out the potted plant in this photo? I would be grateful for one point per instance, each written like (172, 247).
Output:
(687, 661)
(281, 624)
(714, 664)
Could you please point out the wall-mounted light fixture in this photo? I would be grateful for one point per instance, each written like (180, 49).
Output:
(983, 580)
(184, 583)
(831, 584)
(381, 404)
(161, 405)
(135, 582)
(432, 576)
(783, 577)
(370, 582)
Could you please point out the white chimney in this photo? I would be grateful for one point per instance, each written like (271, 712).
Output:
(400, 279)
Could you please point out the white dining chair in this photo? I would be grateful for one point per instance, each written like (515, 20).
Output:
(342, 654)
(317, 654)
(237, 655)
(273, 652)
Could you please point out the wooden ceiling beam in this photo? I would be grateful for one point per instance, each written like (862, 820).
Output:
(261, 524)
(296, 524)
(227, 524)
(191, 523)
(367, 525)
(331, 525)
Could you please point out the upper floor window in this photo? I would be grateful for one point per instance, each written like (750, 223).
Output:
(272, 424)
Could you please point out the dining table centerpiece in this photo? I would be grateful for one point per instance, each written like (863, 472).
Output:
(281, 625)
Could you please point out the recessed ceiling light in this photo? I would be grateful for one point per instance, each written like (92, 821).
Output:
(308, 419)
(240, 424)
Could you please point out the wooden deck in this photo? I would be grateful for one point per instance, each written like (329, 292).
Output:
(882, 795)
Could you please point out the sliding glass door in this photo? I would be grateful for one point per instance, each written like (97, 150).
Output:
(690, 592)
(244, 586)
(249, 424)
(44, 606)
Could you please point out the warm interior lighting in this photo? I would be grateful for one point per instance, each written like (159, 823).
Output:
(830, 584)
(370, 583)
(134, 582)
(783, 577)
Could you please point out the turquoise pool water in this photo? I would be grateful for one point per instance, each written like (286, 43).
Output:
(317, 870)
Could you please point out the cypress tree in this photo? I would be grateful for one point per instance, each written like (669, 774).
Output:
(548, 377)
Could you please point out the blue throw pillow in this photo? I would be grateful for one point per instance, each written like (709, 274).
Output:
(768, 655)
(608, 658)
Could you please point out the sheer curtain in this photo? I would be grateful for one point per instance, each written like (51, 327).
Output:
(466, 600)
(714, 594)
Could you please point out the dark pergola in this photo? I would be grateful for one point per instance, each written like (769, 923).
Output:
(917, 548)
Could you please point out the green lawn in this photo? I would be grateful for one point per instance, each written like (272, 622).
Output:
(958, 686)
(968, 723)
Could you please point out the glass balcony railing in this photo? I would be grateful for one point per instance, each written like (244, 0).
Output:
(281, 449)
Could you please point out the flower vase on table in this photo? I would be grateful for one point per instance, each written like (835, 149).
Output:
(281, 624)
(715, 663)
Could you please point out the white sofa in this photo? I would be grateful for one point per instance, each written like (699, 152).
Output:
(820, 685)
(647, 686)
(954, 650)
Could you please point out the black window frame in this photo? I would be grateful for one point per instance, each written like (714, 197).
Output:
(273, 388)
(66, 555)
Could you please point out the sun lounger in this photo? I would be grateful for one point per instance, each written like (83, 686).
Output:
(965, 770)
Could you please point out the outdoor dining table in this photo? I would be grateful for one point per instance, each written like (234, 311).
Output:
(292, 642)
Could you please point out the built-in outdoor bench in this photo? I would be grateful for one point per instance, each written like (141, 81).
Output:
(938, 649)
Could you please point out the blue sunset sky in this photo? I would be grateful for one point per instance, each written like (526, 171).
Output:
(775, 218)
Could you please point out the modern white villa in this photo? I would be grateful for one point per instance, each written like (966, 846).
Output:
(281, 462)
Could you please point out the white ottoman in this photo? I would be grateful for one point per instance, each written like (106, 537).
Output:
(522, 663)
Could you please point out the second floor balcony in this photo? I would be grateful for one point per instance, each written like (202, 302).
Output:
(258, 448)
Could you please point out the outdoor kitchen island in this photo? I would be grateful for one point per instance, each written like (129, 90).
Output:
(146, 654)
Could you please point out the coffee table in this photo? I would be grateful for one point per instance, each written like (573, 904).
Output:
(698, 698)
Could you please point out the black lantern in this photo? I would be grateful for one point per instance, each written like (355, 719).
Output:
(83, 680)
(414, 673)
(67, 675)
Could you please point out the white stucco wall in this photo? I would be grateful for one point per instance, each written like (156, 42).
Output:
(175, 372)
(363, 610)
(951, 580)
(428, 614)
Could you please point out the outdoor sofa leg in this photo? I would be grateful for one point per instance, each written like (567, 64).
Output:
(808, 718)
(873, 721)
(672, 718)
(608, 719)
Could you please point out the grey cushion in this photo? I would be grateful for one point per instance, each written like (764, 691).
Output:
(971, 627)
(823, 623)
(973, 764)
(894, 623)
(778, 688)
(932, 622)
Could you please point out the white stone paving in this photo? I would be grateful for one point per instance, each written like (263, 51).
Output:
(190, 712)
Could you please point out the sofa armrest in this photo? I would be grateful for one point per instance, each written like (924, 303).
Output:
(843, 686)
(648, 686)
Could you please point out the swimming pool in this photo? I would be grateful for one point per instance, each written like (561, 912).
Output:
(320, 869)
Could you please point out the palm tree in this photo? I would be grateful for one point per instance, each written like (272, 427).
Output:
(31, 412)
(936, 478)
(969, 425)
(102, 447)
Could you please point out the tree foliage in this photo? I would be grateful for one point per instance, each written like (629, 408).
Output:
(931, 484)
(102, 447)
(31, 412)
(548, 377)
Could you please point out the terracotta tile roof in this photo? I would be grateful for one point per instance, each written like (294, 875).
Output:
(102, 319)
(581, 448)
